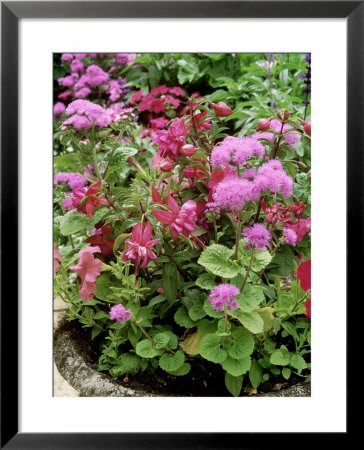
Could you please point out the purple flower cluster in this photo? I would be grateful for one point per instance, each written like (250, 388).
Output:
(233, 192)
(58, 108)
(289, 139)
(222, 295)
(75, 180)
(272, 176)
(234, 150)
(84, 114)
(258, 236)
(124, 59)
(119, 313)
(290, 236)
(93, 77)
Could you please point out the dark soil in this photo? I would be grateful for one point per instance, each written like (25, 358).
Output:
(204, 380)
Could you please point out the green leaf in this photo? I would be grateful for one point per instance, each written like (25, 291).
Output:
(286, 372)
(73, 222)
(210, 311)
(196, 311)
(161, 340)
(233, 384)
(210, 349)
(290, 330)
(169, 281)
(236, 367)
(298, 363)
(216, 259)
(145, 349)
(261, 260)
(101, 315)
(127, 363)
(255, 374)
(250, 298)
(243, 343)
(252, 321)
(280, 358)
(267, 315)
(206, 327)
(169, 362)
(183, 370)
(182, 318)
(206, 281)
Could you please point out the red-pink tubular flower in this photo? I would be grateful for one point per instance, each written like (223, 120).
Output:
(221, 109)
(56, 258)
(139, 246)
(180, 219)
(88, 268)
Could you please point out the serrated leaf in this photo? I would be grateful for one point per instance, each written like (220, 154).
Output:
(209, 349)
(255, 374)
(243, 344)
(250, 298)
(261, 260)
(252, 321)
(280, 358)
(206, 281)
(183, 370)
(182, 318)
(169, 362)
(127, 363)
(236, 367)
(196, 311)
(191, 344)
(161, 340)
(145, 349)
(233, 384)
(169, 281)
(73, 222)
(207, 327)
(267, 315)
(216, 259)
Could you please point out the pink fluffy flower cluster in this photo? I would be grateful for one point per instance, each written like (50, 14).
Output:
(224, 295)
(119, 313)
(234, 150)
(289, 139)
(233, 192)
(82, 85)
(75, 180)
(257, 237)
(84, 114)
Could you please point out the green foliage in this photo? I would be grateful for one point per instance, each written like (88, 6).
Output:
(217, 259)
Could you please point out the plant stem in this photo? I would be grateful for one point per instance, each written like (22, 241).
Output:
(111, 155)
(259, 209)
(248, 270)
(64, 212)
(278, 141)
(151, 339)
(95, 164)
(237, 238)
(226, 319)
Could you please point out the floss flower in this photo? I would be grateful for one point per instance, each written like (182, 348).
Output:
(88, 268)
(290, 236)
(224, 295)
(233, 150)
(119, 313)
(233, 192)
(84, 114)
(272, 176)
(258, 237)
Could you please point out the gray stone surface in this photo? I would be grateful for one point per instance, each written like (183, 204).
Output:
(299, 390)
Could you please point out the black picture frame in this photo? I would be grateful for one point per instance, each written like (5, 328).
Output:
(11, 12)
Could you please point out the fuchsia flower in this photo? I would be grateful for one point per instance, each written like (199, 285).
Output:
(221, 109)
(304, 275)
(222, 295)
(57, 256)
(101, 239)
(119, 313)
(301, 227)
(139, 246)
(258, 236)
(180, 219)
(92, 201)
(172, 140)
(88, 268)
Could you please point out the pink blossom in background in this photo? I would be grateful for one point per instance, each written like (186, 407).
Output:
(290, 236)
(83, 92)
(124, 58)
(119, 313)
(57, 256)
(301, 227)
(258, 236)
(65, 95)
(136, 97)
(304, 274)
(289, 139)
(77, 66)
(68, 80)
(59, 108)
(308, 308)
(180, 219)
(114, 90)
(139, 246)
(172, 140)
(96, 76)
(224, 295)
(83, 114)
(88, 268)
(75, 180)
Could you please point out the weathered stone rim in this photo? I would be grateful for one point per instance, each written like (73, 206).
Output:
(90, 383)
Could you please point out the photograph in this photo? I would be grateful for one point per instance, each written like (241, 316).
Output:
(181, 224)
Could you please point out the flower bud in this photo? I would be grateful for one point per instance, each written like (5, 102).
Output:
(263, 124)
(189, 172)
(160, 290)
(166, 166)
(307, 127)
(188, 150)
(221, 109)
(283, 115)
